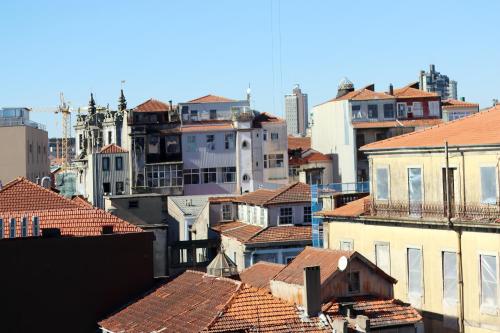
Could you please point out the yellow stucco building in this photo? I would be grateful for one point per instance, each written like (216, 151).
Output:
(407, 227)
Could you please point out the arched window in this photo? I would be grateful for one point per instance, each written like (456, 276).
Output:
(24, 227)
(244, 144)
(246, 178)
(36, 226)
(12, 229)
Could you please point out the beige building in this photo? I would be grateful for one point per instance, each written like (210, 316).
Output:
(24, 146)
(404, 227)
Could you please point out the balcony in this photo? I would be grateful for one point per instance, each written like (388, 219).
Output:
(432, 211)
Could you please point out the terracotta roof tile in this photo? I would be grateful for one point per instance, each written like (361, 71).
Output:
(82, 201)
(254, 310)
(296, 192)
(264, 117)
(258, 275)
(309, 156)
(152, 105)
(189, 303)
(478, 129)
(112, 149)
(238, 230)
(194, 128)
(221, 199)
(381, 312)
(417, 123)
(282, 233)
(449, 104)
(352, 209)
(326, 259)
(211, 99)
(363, 94)
(303, 143)
(410, 92)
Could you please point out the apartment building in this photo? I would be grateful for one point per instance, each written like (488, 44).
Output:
(296, 112)
(432, 221)
(358, 117)
(433, 81)
(24, 146)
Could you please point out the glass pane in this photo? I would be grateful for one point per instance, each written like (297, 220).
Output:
(382, 184)
(488, 185)
(415, 272)
(450, 279)
(489, 280)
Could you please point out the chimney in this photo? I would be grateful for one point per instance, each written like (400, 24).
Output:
(432, 68)
(347, 309)
(391, 89)
(462, 99)
(312, 290)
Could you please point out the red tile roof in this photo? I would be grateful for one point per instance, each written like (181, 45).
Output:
(282, 233)
(189, 303)
(362, 94)
(264, 118)
(352, 209)
(22, 198)
(211, 99)
(237, 230)
(207, 128)
(152, 105)
(449, 104)
(82, 201)
(309, 156)
(254, 310)
(381, 312)
(303, 143)
(398, 123)
(258, 275)
(112, 149)
(410, 92)
(478, 129)
(293, 193)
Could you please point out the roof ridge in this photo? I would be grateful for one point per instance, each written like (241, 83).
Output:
(281, 191)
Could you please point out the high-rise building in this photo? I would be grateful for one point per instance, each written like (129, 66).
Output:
(296, 112)
(434, 81)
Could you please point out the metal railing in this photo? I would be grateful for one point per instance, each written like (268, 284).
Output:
(432, 210)
(9, 122)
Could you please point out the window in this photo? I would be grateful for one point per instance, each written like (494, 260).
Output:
(227, 212)
(229, 141)
(1, 228)
(380, 136)
(383, 257)
(36, 226)
(273, 161)
(357, 113)
(450, 278)
(211, 142)
(213, 114)
(382, 184)
(346, 245)
(105, 163)
(262, 215)
(264, 135)
(274, 136)
(80, 141)
(191, 143)
(373, 111)
(209, 175)
(246, 178)
(244, 145)
(106, 187)
(307, 214)
(110, 137)
(185, 112)
(133, 204)
(414, 264)
(229, 174)
(119, 187)
(191, 176)
(286, 215)
(164, 175)
(388, 111)
(12, 228)
(353, 282)
(488, 185)
(418, 111)
(24, 227)
(415, 190)
(489, 281)
(401, 110)
(194, 115)
(434, 108)
(118, 163)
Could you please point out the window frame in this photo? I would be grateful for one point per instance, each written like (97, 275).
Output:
(228, 206)
(12, 228)
(346, 241)
(495, 183)
(383, 243)
(118, 165)
(24, 226)
(229, 141)
(388, 183)
(225, 171)
(488, 308)
(35, 225)
(207, 174)
(307, 215)
(446, 300)
(372, 113)
(285, 215)
(117, 191)
(190, 174)
(412, 295)
(106, 163)
(386, 111)
(210, 141)
(351, 291)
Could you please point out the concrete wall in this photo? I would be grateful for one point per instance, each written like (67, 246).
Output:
(69, 284)
(297, 211)
(279, 146)
(17, 159)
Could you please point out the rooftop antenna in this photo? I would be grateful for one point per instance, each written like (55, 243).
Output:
(249, 93)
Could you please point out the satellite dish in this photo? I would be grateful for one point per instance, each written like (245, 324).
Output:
(342, 264)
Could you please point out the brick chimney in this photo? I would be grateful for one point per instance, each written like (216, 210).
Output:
(312, 290)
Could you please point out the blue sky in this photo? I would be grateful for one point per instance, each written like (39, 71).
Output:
(185, 49)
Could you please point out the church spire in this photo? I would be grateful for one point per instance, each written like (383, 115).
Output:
(122, 102)
(92, 108)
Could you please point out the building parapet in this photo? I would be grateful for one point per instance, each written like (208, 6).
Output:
(10, 122)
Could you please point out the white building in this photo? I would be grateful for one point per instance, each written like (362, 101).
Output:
(455, 109)
(296, 112)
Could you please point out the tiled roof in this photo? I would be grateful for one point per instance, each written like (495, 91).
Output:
(303, 143)
(363, 94)
(326, 259)
(71, 222)
(82, 201)
(258, 197)
(264, 117)
(296, 192)
(410, 92)
(238, 230)
(258, 275)
(476, 130)
(283, 233)
(207, 128)
(381, 312)
(309, 156)
(152, 105)
(352, 209)
(25, 196)
(449, 104)
(112, 149)
(398, 123)
(221, 199)
(211, 99)
(189, 303)
(254, 310)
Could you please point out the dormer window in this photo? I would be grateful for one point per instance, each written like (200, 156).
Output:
(286, 215)
(12, 228)
(36, 226)
(24, 227)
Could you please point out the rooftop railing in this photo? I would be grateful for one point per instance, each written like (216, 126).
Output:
(10, 122)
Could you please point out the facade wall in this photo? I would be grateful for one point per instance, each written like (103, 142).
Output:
(432, 243)
(297, 210)
(96, 177)
(277, 175)
(327, 176)
(332, 134)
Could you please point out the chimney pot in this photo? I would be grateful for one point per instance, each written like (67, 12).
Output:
(391, 89)
(312, 290)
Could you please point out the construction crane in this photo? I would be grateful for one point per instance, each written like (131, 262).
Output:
(65, 110)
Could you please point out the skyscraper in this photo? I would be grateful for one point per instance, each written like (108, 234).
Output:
(433, 81)
(296, 112)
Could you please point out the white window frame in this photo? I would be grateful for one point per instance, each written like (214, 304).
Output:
(191, 143)
(226, 208)
(481, 183)
(448, 302)
(208, 171)
(229, 141)
(346, 241)
(210, 141)
(421, 167)
(485, 308)
(401, 107)
(383, 167)
(228, 171)
(418, 109)
(382, 243)
(411, 296)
